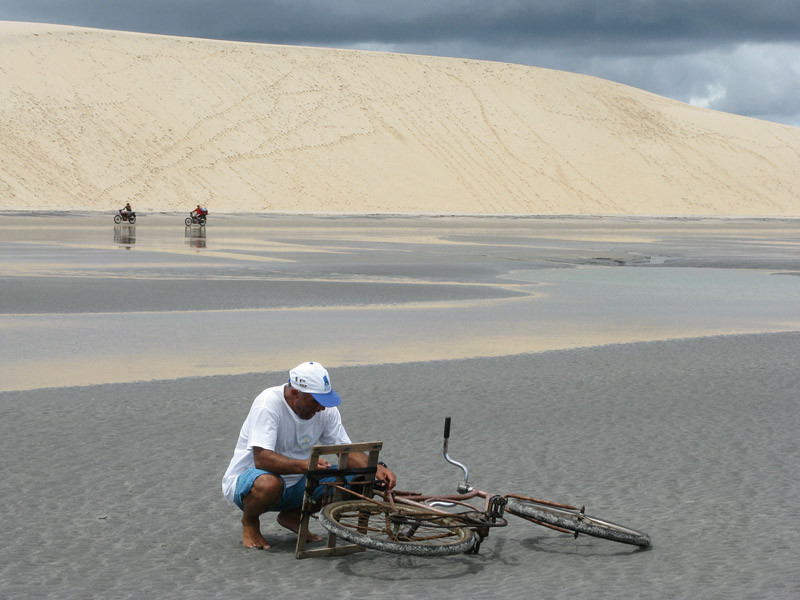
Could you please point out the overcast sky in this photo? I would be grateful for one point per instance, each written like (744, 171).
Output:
(738, 56)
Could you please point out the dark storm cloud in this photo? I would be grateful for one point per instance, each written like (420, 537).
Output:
(411, 21)
(734, 55)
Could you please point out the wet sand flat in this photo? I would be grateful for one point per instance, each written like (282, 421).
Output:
(80, 297)
(644, 368)
(113, 490)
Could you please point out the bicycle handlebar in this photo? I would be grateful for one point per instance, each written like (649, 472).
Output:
(464, 487)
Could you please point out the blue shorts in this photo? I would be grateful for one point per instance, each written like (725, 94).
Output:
(292, 496)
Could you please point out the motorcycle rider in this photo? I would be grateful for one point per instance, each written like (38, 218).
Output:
(126, 212)
(198, 211)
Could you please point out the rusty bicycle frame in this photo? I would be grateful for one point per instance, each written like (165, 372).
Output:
(480, 521)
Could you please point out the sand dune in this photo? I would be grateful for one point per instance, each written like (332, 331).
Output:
(92, 119)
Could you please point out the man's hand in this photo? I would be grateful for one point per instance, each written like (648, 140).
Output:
(386, 475)
(359, 459)
(323, 464)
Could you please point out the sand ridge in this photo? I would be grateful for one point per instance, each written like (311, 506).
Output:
(94, 118)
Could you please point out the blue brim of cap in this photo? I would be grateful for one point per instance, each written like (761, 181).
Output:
(328, 400)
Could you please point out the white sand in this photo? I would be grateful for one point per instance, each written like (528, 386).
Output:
(90, 119)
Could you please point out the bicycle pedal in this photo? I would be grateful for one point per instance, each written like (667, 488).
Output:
(475, 548)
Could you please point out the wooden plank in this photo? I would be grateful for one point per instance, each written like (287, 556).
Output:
(302, 532)
(342, 451)
(346, 448)
(337, 551)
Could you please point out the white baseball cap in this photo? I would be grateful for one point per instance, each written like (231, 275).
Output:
(312, 378)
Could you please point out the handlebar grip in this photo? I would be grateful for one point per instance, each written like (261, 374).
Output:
(446, 427)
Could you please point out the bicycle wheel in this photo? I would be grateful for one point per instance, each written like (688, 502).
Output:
(405, 530)
(574, 520)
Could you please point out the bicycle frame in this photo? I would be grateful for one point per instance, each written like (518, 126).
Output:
(430, 508)
(478, 521)
(494, 503)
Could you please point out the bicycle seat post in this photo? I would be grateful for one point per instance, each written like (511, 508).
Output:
(465, 487)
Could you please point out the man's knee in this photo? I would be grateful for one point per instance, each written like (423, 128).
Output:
(266, 491)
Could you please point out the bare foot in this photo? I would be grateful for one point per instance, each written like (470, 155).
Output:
(292, 524)
(252, 538)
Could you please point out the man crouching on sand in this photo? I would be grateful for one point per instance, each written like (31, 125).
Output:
(272, 454)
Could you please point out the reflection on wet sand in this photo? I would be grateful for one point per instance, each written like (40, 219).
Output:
(125, 235)
(195, 236)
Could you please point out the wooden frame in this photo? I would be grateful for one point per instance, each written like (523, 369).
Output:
(342, 451)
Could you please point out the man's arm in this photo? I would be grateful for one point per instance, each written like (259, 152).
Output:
(269, 460)
(359, 460)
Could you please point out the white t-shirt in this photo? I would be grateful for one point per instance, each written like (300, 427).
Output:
(273, 425)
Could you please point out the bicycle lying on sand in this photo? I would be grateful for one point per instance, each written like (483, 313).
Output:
(440, 525)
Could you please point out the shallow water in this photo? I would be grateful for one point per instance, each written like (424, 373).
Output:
(79, 300)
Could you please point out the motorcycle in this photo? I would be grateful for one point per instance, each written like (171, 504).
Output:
(197, 219)
(128, 217)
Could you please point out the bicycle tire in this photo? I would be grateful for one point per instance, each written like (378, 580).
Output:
(435, 535)
(575, 520)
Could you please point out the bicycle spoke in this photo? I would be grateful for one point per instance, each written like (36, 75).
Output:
(404, 531)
